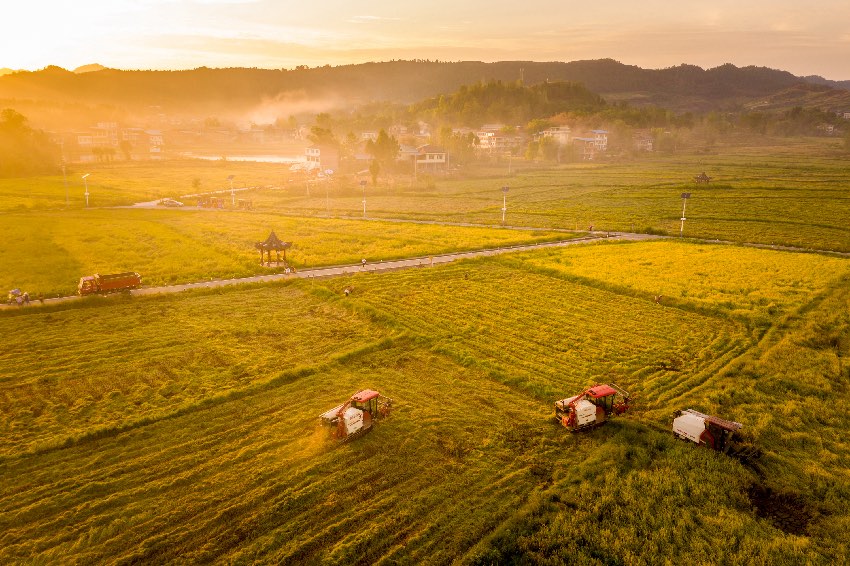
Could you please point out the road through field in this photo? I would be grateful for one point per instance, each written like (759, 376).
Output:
(373, 267)
(383, 266)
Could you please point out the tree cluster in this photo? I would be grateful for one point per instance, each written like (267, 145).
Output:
(511, 103)
(24, 151)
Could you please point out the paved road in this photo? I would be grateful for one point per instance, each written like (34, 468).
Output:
(374, 267)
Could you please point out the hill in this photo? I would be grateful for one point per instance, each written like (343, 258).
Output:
(205, 90)
(89, 68)
(817, 79)
(806, 95)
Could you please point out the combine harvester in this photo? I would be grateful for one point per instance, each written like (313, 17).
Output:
(591, 407)
(356, 416)
(714, 433)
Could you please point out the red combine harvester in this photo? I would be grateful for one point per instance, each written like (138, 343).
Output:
(591, 407)
(355, 417)
(96, 283)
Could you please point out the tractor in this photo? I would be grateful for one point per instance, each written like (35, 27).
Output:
(356, 416)
(591, 407)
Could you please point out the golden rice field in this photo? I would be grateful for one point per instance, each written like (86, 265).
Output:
(740, 281)
(48, 251)
(184, 428)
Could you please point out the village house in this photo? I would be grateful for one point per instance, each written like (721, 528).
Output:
(642, 140)
(107, 140)
(560, 134)
(430, 159)
(586, 147)
(322, 157)
(600, 139)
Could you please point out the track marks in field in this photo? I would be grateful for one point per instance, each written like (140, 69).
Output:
(571, 334)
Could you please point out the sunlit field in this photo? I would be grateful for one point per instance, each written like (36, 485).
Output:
(743, 282)
(48, 252)
(186, 427)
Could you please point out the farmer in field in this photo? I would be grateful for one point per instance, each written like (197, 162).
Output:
(363, 262)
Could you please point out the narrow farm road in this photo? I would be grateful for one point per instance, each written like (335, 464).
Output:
(374, 267)
(383, 266)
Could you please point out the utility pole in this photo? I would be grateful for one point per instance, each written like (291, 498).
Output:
(65, 176)
(363, 186)
(685, 197)
(504, 202)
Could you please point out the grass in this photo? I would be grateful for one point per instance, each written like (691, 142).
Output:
(470, 467)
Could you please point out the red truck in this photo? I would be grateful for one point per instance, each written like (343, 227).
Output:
(97, 283)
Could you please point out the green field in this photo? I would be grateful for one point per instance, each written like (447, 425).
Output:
(791, 193)
(184, 428)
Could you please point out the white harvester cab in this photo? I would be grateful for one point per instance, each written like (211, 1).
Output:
(690, 426)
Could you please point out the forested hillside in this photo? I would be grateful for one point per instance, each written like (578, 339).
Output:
(681, 88)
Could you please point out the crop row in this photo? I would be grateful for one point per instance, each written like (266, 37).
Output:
(571, 335)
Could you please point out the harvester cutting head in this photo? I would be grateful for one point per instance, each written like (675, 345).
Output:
(356, 416)
(592, 407)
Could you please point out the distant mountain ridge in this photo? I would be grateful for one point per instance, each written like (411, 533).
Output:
(204, 90)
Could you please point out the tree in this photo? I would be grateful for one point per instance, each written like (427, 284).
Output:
(126, 148)
(322, 136)
(384, 149)
(374, 169)
(24, 151)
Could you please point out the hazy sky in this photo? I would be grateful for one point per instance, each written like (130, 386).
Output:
(804, 37)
